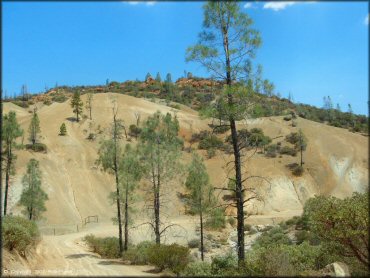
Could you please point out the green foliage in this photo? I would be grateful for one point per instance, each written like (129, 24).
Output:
(37, 147)
(210, 142)
(271, 150)
(274, 236)
(196, 269)
(344, 224)
(288, 151)
(224, 265)
(107, 247)
(18, 233)
(33, 197)
(232, 221)
(174, 257)
(58, 97)
(194, 243)
(298, 171)
(216, 219)
(34, 128)
(77, 104)
(211, 152)
(63, 129)
(139, 254)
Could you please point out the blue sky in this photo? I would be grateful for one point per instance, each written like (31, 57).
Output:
(310, 49)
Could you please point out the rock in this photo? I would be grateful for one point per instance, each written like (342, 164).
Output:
(336, 269)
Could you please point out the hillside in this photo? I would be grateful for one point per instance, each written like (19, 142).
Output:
(336, 161)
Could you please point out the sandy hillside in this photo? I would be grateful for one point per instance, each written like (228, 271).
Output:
(336, 161)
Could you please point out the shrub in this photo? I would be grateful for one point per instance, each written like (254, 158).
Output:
(292, 138)
(197, 269)
(273, 236)
(211, 153)
(292, 221)
(134, 131)
(37, 147)
(107, 247)
(271, 150)
(298, 171)
(138, 254)
(174, 257)
(59, 97)
(287, 118)
(224, 265)
(91, 136)
(211, 141)
(21, 103)
(288, 150)
(47, 101)
(216, 219)
(221, 129)
(231, 221)
(19, 233)
(247, 227)
(194, 243)
(63, 130)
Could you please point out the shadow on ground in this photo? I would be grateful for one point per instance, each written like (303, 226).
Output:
(79, 256)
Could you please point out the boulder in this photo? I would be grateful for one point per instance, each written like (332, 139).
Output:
(336, 269)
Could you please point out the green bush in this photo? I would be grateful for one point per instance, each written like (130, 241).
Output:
(107, 247)
(47, 101)
(287, 118)
(288, 150)
(21, 103)
(211, 153)
(209, 142)
(292, 221)
(19, 233)
(174, 257)
(247, 227)
(63, 129)
(225, 265)
(59, 97)
(37, 147)
(271, 150)
(194, 243)
(197, 269)
(134, 131)
(298, 171)
(232, 221)
(221, 129)
(138, 254)
(293, 138)
(272, 237)
(216, 219)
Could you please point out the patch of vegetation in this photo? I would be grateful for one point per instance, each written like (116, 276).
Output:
(173, 257)
(37, 147)
(196, 269)
(210, 142)
(216, 219)
(194, 243)
(107, 247)
(19, 233)
(273, 236)
(139, 254)
(288, 151)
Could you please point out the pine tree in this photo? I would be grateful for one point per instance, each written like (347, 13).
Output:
(158, 78)
(77, 104)
(33, 197)
(160, 152)
(63, 130)
(89, 102)
(201, 193)
(130, 175)
(11, 130)
(34, 128)
(225, 47)
(147, 76)
(110, 151)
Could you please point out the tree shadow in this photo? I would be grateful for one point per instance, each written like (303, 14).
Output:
(112, 262)
(71, 119)
(79, 256)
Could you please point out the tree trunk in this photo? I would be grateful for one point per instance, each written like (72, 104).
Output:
(301, 156)
(90, 112)
(156, 216)
(201, 231)
(126, 219)
(118, 211)
(7, 178)
(77, 116)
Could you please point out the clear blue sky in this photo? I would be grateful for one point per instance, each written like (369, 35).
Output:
(309, 49)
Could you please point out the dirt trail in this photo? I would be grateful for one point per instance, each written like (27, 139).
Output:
(69, 255)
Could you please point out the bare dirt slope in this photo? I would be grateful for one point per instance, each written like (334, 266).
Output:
(336, 160)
